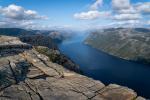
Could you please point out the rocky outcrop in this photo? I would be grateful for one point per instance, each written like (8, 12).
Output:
(29, 75)
(57, 57)
(12, 46)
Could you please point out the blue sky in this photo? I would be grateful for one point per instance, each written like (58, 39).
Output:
(75, 13)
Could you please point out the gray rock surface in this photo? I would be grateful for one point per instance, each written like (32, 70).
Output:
(29, 75)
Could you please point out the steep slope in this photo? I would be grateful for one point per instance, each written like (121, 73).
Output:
(25, 74)
(39, 40)
(57, 35)
(15, 31)
(130, 44)
(57, 57)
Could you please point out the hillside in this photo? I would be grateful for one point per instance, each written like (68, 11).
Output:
(15, 31)
(126, 43)
(26, 74)
(56, 35)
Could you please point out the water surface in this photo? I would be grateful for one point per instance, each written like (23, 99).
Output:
(109, 69)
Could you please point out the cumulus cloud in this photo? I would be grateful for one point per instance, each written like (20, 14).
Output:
(14, 16)
(127, 16)
(93, 13)
(16, 24)
(130, 10)
(96, 5)
(90, 15)
(143, 7)
(121, 4)
(128, 23)
(148, 22)
(19, 13)
(124, 11)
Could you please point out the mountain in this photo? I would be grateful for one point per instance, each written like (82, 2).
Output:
(14, 31)
(127, 43)
(39, 40)
(56, 35)
(28, 73)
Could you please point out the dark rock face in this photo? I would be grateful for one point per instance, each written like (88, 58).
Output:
(39, 40)
(56, 57)
(29, 75)
(130, 44)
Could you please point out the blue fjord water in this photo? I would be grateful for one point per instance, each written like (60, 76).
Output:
(108, 69)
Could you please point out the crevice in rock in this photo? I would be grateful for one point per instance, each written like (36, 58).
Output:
(49, 66)
(77, 91)
(97, 93)
(1, 96)
(59, 73)
(40, 77)
(105, 98)
(109, 89)
(28, 93)
(101, 91)
(11, 68)
(35, 91)
(74, 89)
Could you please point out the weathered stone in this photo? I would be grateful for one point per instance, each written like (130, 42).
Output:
(29, 75)
(116, 92)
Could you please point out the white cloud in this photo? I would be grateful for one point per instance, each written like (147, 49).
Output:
(148, 22)
(128, 23)
(19, 13)
(90, 15)
(93, 13)
(121, 4)
(127, 17)
(96, 5)
(124, 11)
(14, 16)
(143, 7)
(130, 10)
(16, 23)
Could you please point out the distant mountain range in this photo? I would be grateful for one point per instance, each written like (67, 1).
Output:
(126, 43)
(15, 31)
(57, 35)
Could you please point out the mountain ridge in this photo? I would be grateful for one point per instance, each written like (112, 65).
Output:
(126, 43)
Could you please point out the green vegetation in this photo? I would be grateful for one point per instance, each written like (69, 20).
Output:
(53, 56)
(131, 44)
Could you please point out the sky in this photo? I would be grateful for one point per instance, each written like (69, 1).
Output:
(77, 14)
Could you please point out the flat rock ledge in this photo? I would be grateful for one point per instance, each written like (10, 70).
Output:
(29, 75)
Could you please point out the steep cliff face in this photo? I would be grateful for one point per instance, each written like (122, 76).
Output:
(130, 44)
(25, 74)
(39, 40)
(57, 57)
